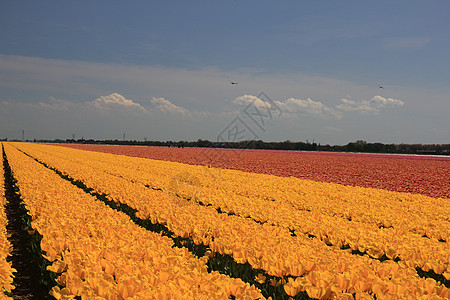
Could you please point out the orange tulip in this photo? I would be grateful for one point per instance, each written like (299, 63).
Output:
(291, 290)
(57, 267)
(63, 293)
(260, 278)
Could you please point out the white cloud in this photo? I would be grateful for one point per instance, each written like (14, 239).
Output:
(308, 107)
(250, 99)
(167, 106)
(116, 101)
(382, 102)
(291, 106)
(372, 106)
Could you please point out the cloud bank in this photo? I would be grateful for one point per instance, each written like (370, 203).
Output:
(165, 105)
(116, 101)
(250, 99)
(308, 107)
(367, 107)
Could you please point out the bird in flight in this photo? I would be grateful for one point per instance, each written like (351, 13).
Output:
(233, 82)
(381, 87)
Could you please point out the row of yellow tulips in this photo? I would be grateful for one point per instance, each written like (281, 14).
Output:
(263, 246)
(102, 253)
(6, 271)
(219, 188)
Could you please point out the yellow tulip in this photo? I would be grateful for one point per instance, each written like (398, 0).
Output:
(63, 293)
(260, 278)
(291, 290)
(57, 267)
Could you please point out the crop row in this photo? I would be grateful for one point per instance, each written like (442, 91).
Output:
(301, 206)
(98, 251)
(318, 269)
(6, 270)
(402, 173)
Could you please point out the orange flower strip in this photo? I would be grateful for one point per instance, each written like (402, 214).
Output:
(426, 175)
(6, 270)
(271, 248)
(100, 252)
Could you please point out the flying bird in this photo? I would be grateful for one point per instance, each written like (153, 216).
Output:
(233, 82)
(381, 87)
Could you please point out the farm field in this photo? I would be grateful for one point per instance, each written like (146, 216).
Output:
(160, 223)
(427, 175)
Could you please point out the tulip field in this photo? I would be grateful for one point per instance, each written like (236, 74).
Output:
(124, 222)
(425, 174)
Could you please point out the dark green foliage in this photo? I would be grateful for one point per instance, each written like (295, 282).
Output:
(432, 274)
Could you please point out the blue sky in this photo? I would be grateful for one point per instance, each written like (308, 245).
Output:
(161, 70)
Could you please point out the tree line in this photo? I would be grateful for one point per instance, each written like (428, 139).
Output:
(357, 146)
